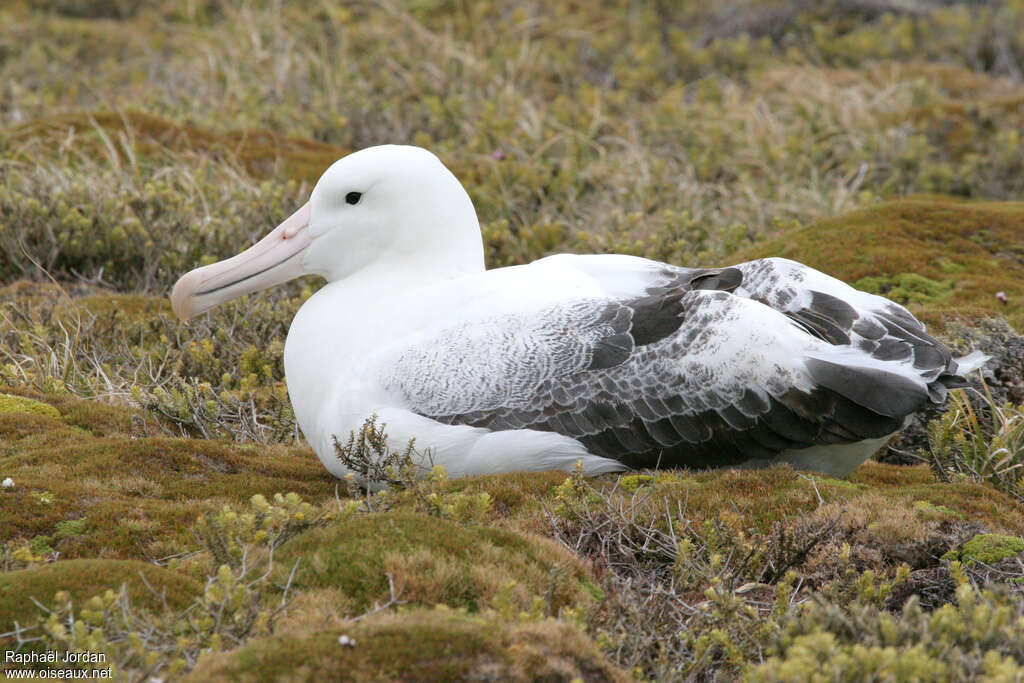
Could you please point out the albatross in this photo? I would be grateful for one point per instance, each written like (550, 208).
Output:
(614, 361)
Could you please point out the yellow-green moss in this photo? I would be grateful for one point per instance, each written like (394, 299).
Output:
(907, 288)
(513, 493)
(899, 245)
(15, 426)
(94, 417)
(88, 577)
(909, 486)
(931, 511)
(832, 481)
(134, 494)
(633, 482)
(18, 404)
(420, 645)
(769, 495)
(434, 560)
(991, 548)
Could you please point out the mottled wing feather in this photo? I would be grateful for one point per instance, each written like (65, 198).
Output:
(836, 312)
(684, 374)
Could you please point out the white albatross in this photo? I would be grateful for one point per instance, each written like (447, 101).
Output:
(616, 361)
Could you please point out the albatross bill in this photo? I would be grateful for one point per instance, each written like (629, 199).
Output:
(275, 259)
(616, 361)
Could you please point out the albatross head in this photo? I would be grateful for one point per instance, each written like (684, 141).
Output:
(393, 205)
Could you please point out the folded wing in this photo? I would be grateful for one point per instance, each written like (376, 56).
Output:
(673, 369)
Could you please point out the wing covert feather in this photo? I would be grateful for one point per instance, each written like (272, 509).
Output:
(679, 376)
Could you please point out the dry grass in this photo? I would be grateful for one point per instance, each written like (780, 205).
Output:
(140, 139)
(559, 122)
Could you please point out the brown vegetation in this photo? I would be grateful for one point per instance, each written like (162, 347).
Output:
(881, 142)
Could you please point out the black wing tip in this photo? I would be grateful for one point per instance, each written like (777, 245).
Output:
(955, 375)
(720, 279)
(882, 392)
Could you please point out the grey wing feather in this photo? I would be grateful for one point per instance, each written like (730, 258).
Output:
(841, 315)
(685, 374)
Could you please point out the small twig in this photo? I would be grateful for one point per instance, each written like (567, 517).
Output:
(392, 601)
(814, 485)
(288, 584)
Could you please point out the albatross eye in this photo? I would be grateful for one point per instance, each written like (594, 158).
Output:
(353, 197)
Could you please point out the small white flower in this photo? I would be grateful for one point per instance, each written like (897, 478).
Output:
(346, 641)
(8, 483)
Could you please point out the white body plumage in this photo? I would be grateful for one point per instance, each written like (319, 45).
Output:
(616, 361)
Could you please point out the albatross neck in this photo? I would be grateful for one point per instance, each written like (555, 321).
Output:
(329, 335)
(429, 257)
(407, 275)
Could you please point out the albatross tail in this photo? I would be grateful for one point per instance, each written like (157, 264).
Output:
(955, 375)
(975, 360)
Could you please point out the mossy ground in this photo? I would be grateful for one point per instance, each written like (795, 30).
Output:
(881, 144)
(515, 602)
(436, 561)
(942, 259)
(425, 644)
(991, 548)
(121, 488)
(148, 585)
